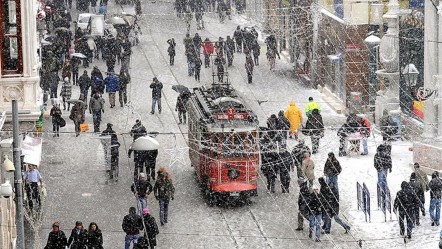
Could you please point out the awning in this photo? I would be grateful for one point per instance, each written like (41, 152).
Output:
(31, 149)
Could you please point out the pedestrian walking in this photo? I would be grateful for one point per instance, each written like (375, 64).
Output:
(419, 193)
(315, 215)
(256, 50)
(85, 83)
(229, 48)
(332, 169)
(94, 237)
(197, 44)
(31, 179)
(404, 203)
(271, 57)
(78, 114)
(112, 86)
(238, 36)
(331, 206)
(75, 68)
(53, 79)
(164, 191)
(269, 167)
(141, 188)
(383, 165)
(96, 107)
(66, 92)
(220, 61)
(78, 238)
(351, 126)
(435, 186)
(308, 168)
(310, 106)
(315, 129)
(151, 228)
(191, 58)
(249, 67)
(422, 178)
(284, 169)
(208, 49)
(55, 113)
(56, 239)
(114, 150)
(124, 79)
(365, 131)
(156, 87)
(180, 107)
(171, 51)
(294, 115)
(298, 156)
(198, 63)
(151, 162)
(67, 69)
(132, 224)
(303, 201)
(283, 127)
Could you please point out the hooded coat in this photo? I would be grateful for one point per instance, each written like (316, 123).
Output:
(382, 159)
(405, 198)
(435, 186)
(294, 115)
(332, 167)
(315, 125)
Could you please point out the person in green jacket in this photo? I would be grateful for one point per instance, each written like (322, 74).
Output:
(311, 105)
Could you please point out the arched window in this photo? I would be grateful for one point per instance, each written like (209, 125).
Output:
(10, 38)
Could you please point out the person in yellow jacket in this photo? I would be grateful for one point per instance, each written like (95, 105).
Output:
(311, 105)
(294, 115)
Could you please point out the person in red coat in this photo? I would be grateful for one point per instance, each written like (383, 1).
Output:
(208, 49)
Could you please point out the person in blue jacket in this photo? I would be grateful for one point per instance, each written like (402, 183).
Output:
(112, 86)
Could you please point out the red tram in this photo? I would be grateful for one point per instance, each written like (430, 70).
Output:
(223, 143)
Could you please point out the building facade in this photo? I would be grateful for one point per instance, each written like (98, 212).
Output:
(19, 62)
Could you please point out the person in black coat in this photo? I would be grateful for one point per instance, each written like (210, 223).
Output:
(303, 200)
(114, 150)
(95, 237)
(269, 168)
(273, 125)
(435, 186)
(316, 211)
(151, 228)
(331, 206)
(156, 87)
(298, 155)
(418, 191)
(132, 224)
(171, 51)
(57, 238)
(315, 128)
(79, 236)
(332, 169)
(383, 165)
(85, 83)
(283, 127)
(284, 169)
(141, 188)
(237, 35)
(151, 161)
(404, 203)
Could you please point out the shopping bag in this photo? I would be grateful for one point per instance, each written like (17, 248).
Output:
(84, 127)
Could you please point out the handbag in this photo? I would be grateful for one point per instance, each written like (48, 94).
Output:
(84, 127)
(61, 122)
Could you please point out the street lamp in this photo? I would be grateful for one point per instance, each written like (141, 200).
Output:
(6, 189)
(8, 165)
(411, 73)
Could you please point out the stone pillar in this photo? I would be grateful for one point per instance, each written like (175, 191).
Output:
(389, 57)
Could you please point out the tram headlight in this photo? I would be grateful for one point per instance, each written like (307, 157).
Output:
(233, 173)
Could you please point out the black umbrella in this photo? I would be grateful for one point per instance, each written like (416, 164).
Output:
(180, 89)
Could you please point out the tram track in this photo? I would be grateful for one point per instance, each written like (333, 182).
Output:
(222, 210)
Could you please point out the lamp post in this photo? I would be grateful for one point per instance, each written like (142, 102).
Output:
(18, 183)
(372, 42)
(410, 73)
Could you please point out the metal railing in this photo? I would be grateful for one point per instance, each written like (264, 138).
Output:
(363, 196)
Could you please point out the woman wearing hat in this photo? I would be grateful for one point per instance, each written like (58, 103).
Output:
(78, 238)
(57, 238)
